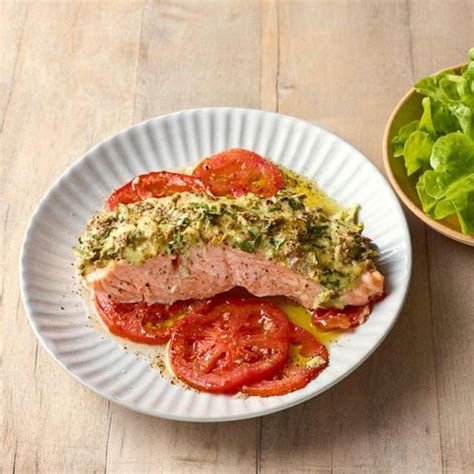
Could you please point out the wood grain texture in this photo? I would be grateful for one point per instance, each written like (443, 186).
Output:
(75, 72)
(67, 92)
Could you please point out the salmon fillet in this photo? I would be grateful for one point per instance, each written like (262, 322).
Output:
(194, 246)
(211, 270)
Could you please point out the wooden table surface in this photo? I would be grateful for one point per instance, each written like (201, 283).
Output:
(73, 73)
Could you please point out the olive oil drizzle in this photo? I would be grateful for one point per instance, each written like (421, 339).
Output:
(300, 316)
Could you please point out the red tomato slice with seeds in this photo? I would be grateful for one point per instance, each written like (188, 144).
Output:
(164, 183)
(346, 318)
(141, 322)
(155, 184)
(341, 319)
(124, 195)
(307, 359)
(226, 343)
(237, 172)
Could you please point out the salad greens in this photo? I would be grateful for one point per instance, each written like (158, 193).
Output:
(439, 147)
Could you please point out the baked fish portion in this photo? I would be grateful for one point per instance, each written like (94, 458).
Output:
(195, 246)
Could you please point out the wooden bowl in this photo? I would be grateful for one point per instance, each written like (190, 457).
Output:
(408, 109)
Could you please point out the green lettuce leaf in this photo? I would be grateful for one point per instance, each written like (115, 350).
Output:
(399, 141)
(417, 151)
(426, 121)
(455, 92)
(444, 121)
(466, 213)
(461, 195)
(440, 146)
(449, 186)
(452, 158)
(428, 203)
(443, 209)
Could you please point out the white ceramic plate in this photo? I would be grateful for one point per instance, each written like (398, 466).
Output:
(56, 310)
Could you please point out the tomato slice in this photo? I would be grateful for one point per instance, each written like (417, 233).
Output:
(228, 342)
(155, 184)
(123, 195)
(237, 172)
(141, 322)
(346, 318)
(343, 319)
(307, 359)
(163, 183)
